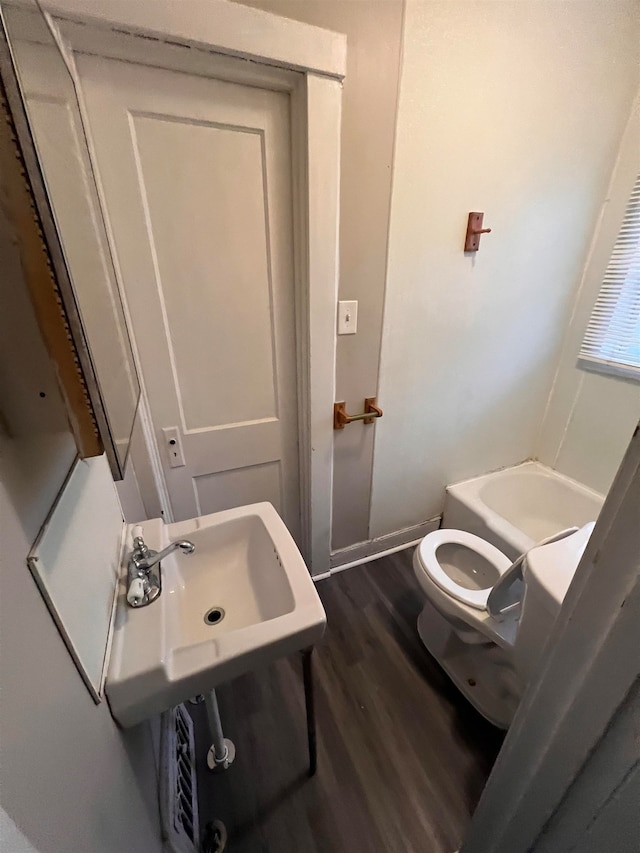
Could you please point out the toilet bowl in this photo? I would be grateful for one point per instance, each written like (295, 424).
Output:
(463, 565)
(458, 571)
(486, 619)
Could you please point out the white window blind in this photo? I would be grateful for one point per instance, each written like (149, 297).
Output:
(612, 341)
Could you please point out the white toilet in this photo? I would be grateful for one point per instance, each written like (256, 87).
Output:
(486, 619)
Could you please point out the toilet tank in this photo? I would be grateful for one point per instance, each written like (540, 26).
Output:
(548, 571)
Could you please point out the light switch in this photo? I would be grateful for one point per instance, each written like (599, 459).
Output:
(173, 444)
(348, 317)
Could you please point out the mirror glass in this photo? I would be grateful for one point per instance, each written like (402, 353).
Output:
(55, 123)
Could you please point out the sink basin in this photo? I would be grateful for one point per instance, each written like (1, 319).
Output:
(241, 600)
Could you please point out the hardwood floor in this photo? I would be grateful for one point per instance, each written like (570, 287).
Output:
(402, 757)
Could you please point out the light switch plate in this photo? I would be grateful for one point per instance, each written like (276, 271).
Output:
(173, 444)
(348, 317)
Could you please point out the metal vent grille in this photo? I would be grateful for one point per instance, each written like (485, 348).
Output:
(178, 786)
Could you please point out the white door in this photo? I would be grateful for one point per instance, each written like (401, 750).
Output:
(196, 175)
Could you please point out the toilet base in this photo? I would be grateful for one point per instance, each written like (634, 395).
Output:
(483, 672)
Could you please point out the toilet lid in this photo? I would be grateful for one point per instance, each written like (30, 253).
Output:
(427, 553)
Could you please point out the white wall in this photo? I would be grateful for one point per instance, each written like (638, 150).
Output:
(590, 417)
(11, 837)
(139, 491)
(600, 811)
(129, 495)
(69, 779)
(515, 109)
(369, 101)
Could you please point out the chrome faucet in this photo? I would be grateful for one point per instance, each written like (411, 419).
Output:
(144, 578)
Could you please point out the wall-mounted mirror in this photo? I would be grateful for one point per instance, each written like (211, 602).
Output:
(48, 121)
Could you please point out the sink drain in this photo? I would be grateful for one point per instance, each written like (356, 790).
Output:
(213, 616)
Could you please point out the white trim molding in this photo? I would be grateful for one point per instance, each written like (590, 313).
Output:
(323, 157)
(218, 25)
(561, 735)
(373, 549)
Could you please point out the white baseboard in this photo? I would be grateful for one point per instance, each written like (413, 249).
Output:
(373, 549)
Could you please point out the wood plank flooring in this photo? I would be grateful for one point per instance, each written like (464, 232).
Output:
(402, 757)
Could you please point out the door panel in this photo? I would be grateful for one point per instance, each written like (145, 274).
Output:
(240, 486)
(196, 175)
(205, 235)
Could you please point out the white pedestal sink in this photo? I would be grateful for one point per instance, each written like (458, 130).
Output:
(241, 600)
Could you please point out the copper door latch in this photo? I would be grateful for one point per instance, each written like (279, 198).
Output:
(341, 418)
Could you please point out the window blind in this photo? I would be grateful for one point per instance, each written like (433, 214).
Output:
(612, 340)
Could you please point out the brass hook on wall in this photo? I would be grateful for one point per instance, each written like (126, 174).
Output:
(341, 418)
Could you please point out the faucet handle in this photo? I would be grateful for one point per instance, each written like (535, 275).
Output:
(139, 546)
(135, 593)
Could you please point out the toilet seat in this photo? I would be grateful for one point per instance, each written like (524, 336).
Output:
(427, 549)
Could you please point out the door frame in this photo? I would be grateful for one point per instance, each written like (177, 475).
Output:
(216, 38)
